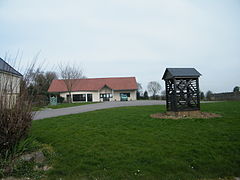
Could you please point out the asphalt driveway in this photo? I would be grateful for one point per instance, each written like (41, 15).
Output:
(92, 107)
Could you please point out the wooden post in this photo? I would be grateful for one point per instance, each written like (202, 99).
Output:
(198, 97)
(188, 93)
(175, 96)
(167, 94)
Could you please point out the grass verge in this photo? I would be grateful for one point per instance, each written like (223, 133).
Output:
(126, 143)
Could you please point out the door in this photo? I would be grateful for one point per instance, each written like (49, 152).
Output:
(106, 96)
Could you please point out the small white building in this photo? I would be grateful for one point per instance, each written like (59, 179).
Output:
(9, 83)
(97, 89)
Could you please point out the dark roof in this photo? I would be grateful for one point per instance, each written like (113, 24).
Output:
(180, 72)
(5, 67)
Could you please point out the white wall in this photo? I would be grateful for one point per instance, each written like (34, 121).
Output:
(96, 94)
(105, 90)
(9, 83)
(9, 88)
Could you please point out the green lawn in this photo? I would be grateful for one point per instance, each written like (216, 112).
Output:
(63, 105)
(125, 143)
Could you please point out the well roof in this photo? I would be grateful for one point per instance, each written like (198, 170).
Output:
(180, 72)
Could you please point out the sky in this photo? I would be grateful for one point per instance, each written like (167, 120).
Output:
(121, 38)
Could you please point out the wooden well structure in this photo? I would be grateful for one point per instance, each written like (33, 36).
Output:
(182, 89)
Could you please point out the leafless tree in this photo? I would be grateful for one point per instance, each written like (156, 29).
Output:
(209, 95)
(139, 90)
(139, 85)
(163, 95)
(154, 87)
(70, 75)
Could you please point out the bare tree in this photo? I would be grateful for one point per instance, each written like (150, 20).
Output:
(70, 75)
(209, 95)
(236, 89)
(202, 95)
(154, 87)
(15, 105)
(139, 85)
(145, 95)
(139, 91)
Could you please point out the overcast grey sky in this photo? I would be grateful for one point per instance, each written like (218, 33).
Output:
(138, 38)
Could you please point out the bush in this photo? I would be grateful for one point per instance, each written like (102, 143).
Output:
(15, 121)
(15, 111)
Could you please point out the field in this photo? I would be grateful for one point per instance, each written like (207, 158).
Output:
(126, 143)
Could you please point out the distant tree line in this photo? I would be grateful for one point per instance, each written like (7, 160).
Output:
(209, 94)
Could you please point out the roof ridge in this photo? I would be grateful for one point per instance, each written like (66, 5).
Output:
(101, 78)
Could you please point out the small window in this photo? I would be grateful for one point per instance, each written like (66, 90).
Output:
(106, 95)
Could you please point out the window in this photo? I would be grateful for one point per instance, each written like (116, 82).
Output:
(82, 97)
(125, 94)
(76, 97)
(106, 95)
(79, 97)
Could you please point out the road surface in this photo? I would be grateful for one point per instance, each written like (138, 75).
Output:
(92, 107)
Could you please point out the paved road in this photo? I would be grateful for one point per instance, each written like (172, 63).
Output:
(91, 107)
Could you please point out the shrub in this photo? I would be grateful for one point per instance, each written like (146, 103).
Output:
(15, 117)
(15, 108)
(15, 163)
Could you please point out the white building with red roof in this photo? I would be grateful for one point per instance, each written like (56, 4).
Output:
(97, 89)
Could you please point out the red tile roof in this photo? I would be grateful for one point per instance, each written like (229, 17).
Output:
(94, 84)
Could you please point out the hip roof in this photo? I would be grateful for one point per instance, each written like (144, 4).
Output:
(180, 72)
